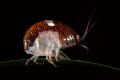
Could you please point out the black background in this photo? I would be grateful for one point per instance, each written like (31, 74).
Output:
(103, 39)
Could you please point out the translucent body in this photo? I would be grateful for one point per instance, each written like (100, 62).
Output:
(46, 38)
(45, 44)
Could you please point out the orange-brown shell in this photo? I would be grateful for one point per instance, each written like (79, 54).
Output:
(33, 31)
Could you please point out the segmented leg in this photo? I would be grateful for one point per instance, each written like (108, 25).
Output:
(46, 52)
(62, 55)
(49, 56)
(35, 60)
(85, 47)
(51, 62)
(30, 59)
(56, 53)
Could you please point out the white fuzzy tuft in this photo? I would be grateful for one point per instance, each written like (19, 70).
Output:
(45, 44)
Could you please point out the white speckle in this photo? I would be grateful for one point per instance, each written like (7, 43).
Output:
(28, 41)
(64, 39)
(72, 37)
(68, 39)
(25, 43)
(50, 22)
(74, 43)
(38, 28)
(31, 33)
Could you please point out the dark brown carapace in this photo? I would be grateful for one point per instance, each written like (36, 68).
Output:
(46, 25)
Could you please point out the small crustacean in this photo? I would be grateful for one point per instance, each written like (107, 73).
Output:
(48, 37)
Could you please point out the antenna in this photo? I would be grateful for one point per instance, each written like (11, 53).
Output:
(88, 27)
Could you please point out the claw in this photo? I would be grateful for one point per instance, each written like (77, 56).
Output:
(34, 58)
(85, 47)
(56, 59)
(51, 62)
(27, 62)
(62, 55)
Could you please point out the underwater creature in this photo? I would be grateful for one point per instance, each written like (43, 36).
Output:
(48, 38)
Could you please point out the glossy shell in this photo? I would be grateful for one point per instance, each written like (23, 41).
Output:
(66, 34)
